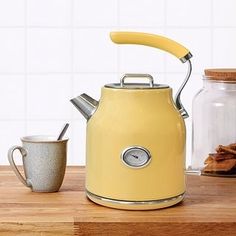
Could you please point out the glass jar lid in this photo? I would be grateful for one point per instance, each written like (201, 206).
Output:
(221, 74)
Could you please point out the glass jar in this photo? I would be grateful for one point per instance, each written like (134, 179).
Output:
(214, 124)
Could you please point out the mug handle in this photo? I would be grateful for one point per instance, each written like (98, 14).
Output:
(13, 165)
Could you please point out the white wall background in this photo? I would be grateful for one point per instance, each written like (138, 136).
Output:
(52, 50)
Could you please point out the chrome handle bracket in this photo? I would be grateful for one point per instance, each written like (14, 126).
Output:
(177, 99)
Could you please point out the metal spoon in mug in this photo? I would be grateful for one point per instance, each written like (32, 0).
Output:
(63, 131)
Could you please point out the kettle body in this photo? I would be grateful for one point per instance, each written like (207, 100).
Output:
(135, 139)
(128, 119)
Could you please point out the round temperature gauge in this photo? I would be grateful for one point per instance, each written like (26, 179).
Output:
(136, 157)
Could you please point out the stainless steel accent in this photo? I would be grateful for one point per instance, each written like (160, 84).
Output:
(177, 99)
(125, 202)
(123, 85)
(122, 80)
(186, 57)
(136, 86)
(85, 104)
(140, 152)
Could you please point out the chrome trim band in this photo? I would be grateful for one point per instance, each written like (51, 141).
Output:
(124, 202)
(186, 57)
(136, 86)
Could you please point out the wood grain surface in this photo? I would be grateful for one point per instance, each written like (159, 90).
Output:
(208, 209)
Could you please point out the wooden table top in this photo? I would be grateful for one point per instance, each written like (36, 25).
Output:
(208, 209)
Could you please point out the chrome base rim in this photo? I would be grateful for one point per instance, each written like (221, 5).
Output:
(166, 201)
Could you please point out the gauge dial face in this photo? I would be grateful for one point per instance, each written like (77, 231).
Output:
(136, 157)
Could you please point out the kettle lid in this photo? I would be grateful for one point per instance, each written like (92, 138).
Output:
(123, 85)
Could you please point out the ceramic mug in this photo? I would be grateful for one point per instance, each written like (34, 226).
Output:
(44, 162)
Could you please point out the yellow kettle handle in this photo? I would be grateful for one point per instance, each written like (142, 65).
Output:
(152, 40)
(162, 43)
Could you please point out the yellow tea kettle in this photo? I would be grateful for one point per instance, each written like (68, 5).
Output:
(135, 147)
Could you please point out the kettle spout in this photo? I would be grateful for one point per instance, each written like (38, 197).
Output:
(85, 104)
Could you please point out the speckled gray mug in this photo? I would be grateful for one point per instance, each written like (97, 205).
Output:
(44, 162)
